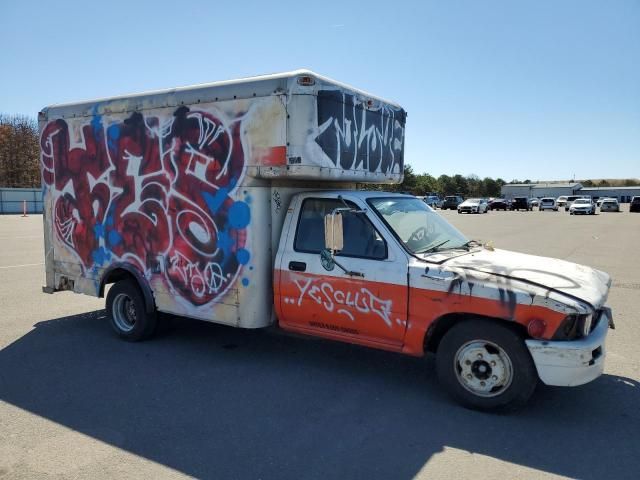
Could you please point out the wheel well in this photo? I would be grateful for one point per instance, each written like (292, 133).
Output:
(442, 325)
(114, 276)
(123, 273)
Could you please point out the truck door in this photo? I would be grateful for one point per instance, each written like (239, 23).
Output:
(368, 306)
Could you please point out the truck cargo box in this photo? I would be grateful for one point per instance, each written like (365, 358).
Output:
(187, 188)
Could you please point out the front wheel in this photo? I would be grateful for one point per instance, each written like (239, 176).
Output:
(486, 366)
(127, 313)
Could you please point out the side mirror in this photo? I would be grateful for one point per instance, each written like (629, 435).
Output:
(333, 234)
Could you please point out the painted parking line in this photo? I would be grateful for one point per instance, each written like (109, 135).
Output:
(22, 266)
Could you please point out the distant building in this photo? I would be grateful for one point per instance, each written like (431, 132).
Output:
(539, 190)
(623, 194)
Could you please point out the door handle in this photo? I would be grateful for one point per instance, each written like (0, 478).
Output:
(297, 266)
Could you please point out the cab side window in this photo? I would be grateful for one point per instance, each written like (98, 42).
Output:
(361, 239)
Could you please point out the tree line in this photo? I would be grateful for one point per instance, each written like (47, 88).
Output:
(425, 184)
(19, 152)
(472, 185)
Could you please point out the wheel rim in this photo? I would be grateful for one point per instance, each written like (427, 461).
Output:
(124, 312)
(483, 368)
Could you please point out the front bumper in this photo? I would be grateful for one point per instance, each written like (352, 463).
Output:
(468, 209)
(572, 362)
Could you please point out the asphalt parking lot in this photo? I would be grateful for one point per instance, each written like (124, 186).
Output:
(208, 401)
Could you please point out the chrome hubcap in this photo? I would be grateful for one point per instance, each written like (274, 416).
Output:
(124, 312)
(483, 368)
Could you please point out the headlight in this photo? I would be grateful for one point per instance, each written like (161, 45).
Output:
(586, 324)
(574, 326)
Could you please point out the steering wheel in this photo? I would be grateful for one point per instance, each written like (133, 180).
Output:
(420, 237)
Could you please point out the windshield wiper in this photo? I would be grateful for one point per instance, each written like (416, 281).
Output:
(466, 246)
(433, 248)
(471, 243)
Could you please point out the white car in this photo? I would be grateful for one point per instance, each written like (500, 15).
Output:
(582, 205)
(548, 203)
(609, 205)
(561, 201)
(474, 205)
(573, 198)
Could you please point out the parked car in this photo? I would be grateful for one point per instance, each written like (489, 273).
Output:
(520, 203)
(499, 204)
(474, 205)
(534, 202)
(571, 199)
(583, 206)
(451, 202)
(561, 201)
(548, 203)
(599, 201)
(609, 205)
(635, 204)
(433, 201)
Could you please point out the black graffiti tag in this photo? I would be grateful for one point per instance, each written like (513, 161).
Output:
(358, 138)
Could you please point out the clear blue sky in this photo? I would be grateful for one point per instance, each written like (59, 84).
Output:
(543, 89)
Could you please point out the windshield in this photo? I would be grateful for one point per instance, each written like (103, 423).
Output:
(473, 200)
(420, 229)
(581, 200)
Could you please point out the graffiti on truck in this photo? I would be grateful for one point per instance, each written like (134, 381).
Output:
(344, 302)
(360, 137)
(156, 191)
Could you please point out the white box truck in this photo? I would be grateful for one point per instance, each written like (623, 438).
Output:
(235, 202)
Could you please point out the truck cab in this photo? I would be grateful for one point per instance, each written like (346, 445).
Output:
(405, 280)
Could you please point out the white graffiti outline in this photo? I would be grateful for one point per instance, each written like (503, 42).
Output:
(329, 297)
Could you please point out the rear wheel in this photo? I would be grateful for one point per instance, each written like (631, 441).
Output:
(127, 313)
(486, 366)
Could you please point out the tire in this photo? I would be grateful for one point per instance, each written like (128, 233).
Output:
(127, 313)
(503, 352)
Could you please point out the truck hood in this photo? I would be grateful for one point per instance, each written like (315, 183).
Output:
(577, 281)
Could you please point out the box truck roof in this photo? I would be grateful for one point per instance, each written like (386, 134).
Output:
(214, 91)
(296, 125)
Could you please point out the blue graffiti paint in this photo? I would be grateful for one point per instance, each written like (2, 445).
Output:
(114, 238)
(113, 134)
(214, 202)
(248, 199)
(245, 282)
(225, 242)
(239, 215)
(96, 121)
(98, 230)
(100, 255)
(243, 256)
